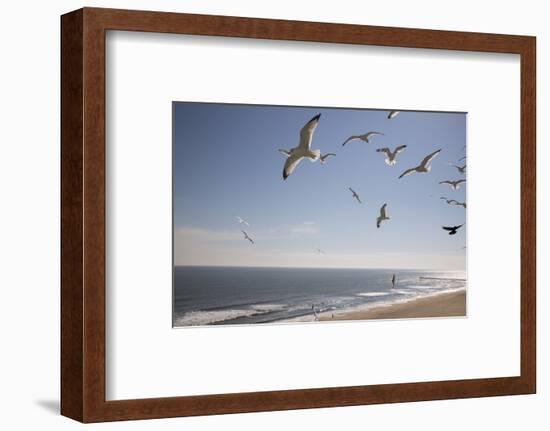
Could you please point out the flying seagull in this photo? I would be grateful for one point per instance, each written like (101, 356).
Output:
(382, 216)
(390, 156)
(393, 114)
(393, 281)
(365, 137)
(424, 166)
(452, 229)
(303, 149)
(242, 221)
(323, 157)
(461, 169)
(454, 184)
(354, 194)
(247, 237)
(454, 202)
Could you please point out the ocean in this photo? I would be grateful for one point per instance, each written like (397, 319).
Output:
(234, 295)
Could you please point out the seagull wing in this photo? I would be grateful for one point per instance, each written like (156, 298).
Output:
(429, 158)
(355, 195)
(307, 132)
(448, 228)
(369, 134)
(247, 237)
(392, 114)
(383, 211)
(446, 182)
(384, 150)
(284, 152)
(351, 138)
(460, 182)
(407, 172)
(323, 157)
(291, 162)
(399, 149)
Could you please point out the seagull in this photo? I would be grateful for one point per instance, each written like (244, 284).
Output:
(247, 237)
(393, 114)
(390, 156)
(303, 149)
(454, 184)
(393, 281)
(454, 202)
(355, 195)
(242, 221)
(382, 216)
(452, 229)
(320, 251)
(323, 157)
(364, 137)
(461, 169)
(423, 167)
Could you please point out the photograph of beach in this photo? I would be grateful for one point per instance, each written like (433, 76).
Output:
(285, 214)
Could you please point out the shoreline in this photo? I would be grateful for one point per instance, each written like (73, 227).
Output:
(449, 304)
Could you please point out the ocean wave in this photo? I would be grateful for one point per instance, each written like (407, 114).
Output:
(374, 294)
(208, 317)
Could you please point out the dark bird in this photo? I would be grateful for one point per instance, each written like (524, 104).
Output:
(461, 169)
(365, 137)
(382, 215)
(452, 229)
(423, 167)
(454, 202)
(354, 194)
(390, 156)
(247, 237)
(454, 184)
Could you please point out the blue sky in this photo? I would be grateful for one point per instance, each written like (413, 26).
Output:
(226, 164)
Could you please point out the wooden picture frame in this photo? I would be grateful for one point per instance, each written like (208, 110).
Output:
(83, 214)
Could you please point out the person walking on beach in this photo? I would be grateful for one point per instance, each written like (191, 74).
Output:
(393, 281)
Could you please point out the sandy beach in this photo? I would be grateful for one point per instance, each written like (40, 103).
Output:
(441, 305)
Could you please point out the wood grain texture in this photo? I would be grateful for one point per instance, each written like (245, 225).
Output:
(83, 214)
(72, 305)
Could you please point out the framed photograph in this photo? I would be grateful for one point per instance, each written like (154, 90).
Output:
(268, 215)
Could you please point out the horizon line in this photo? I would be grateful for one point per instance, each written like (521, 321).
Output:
(313, 267)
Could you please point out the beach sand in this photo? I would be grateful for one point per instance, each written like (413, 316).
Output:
(441, 305)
